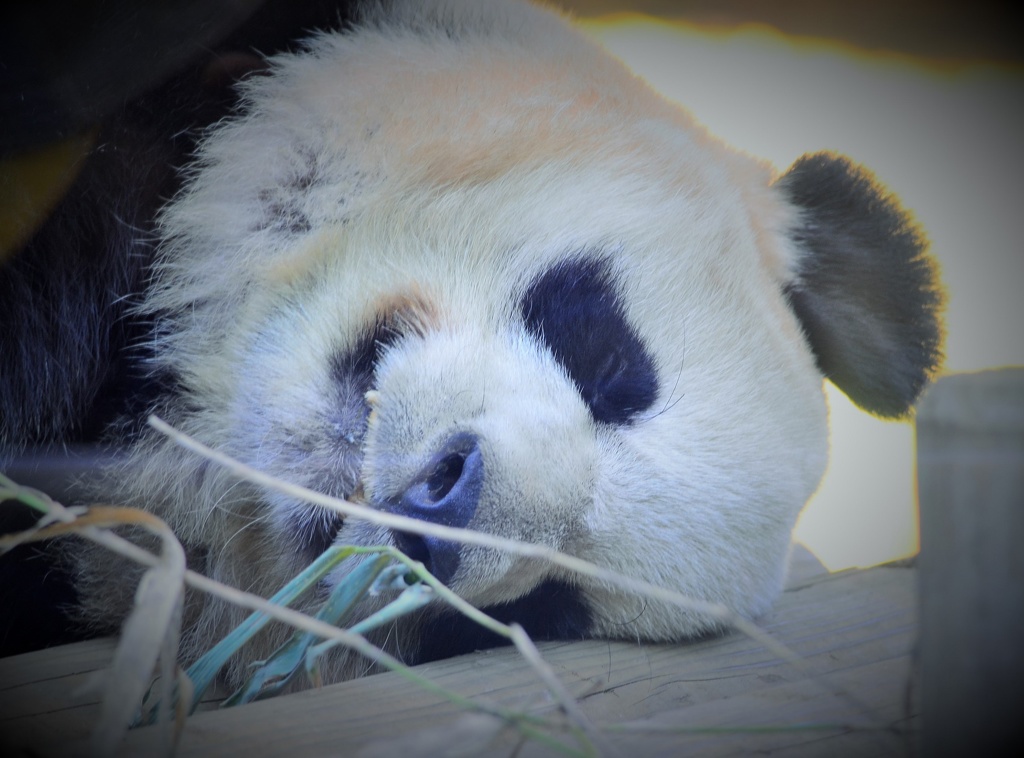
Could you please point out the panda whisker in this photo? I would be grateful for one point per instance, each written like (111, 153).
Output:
(224, 550)
(144, 235)
(636, 618)
(224, 505)
(672, 400)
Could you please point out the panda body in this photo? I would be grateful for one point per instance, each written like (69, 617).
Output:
(459, 262)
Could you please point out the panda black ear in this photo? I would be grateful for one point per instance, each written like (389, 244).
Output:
(866, 292)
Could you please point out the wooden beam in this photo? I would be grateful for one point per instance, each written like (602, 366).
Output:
(970, 443)
(721, 696)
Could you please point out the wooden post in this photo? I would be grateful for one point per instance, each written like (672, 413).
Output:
(970, 473)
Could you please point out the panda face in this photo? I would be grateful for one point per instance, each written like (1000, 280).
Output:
(460, 263)
(561, 378)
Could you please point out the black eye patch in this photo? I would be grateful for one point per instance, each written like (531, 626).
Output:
(574, 308)
(352, 375)
(355, 366)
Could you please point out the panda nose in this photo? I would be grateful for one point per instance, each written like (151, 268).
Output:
(446, 491)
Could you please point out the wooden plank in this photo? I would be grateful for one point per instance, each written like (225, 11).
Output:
(970, 440)
(46, 700)
(856, 628)
(42, 697)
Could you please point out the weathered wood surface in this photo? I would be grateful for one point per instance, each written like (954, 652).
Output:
(854, 631)
(970, 448)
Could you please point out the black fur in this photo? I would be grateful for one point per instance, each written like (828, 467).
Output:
(574, 310)
(554, 610)
(315, 531)
(867, 295)
(65, 331)
(352, 375)
(73, 353)
(353, 368)
(69, 340)
(35, 591)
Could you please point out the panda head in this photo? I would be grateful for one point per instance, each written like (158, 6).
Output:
(460, 263)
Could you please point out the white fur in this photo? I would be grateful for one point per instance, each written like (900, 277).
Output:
(457, 172)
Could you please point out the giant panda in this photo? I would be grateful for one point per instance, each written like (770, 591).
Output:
(455, 260)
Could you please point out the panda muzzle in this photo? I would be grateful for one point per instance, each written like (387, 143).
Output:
(446, 491)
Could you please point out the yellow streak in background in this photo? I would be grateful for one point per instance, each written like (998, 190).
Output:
(945, 136)
(32, 183)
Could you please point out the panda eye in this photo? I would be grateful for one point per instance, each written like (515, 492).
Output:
(357, 364)
(575, 310)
